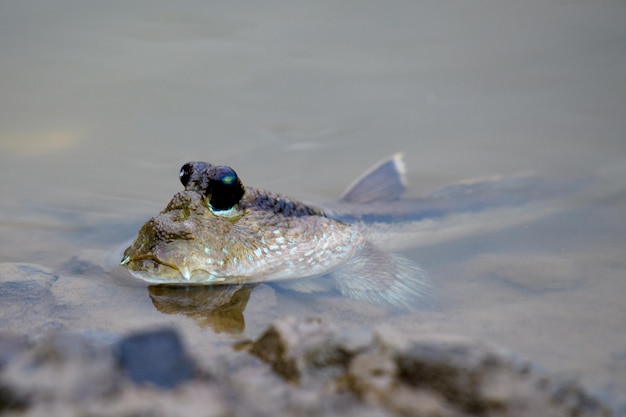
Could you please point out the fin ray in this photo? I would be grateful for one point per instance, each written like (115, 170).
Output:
(386, 279)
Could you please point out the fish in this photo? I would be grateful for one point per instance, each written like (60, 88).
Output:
(218, 232)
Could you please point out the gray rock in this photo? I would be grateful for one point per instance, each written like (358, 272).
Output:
(155, 357)
(25, 289)
(25, 280)
(27, 299)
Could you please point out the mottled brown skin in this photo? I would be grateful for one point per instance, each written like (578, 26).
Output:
(267, 237)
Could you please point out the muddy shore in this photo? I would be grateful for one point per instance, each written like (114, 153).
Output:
(296, 367)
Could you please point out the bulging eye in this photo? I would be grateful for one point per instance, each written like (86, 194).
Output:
(185, 173)
(225, 189)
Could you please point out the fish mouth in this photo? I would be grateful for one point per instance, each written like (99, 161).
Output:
(132, 261)
(150, 268)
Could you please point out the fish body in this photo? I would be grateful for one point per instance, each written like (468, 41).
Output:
(271, 238)
(218, 231)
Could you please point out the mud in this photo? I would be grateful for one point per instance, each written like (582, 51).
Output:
(306, 367)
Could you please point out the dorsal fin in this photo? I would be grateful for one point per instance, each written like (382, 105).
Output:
(385, 181)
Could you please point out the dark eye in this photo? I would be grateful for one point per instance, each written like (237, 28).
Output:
(225, 189)
(185, 173)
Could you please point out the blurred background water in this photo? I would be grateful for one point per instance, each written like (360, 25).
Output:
(101, 103)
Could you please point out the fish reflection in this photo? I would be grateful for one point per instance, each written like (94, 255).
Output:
(218, 307)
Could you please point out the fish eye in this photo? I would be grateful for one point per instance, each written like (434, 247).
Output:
(225, 189)
(185, 173)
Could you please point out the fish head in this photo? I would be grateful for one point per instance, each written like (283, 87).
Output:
(172, 246)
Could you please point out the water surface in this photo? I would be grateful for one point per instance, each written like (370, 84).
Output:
(101, 105)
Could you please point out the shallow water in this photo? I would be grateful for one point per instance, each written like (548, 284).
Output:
(100, 106)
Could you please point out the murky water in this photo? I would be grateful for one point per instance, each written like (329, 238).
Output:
(101, 105)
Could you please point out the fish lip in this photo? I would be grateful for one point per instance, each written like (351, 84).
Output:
(148, 257)
(180, 279)
(129, 260)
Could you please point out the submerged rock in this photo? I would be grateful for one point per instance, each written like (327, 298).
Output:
(25, 294)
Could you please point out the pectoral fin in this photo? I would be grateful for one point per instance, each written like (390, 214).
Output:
(386, 279)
